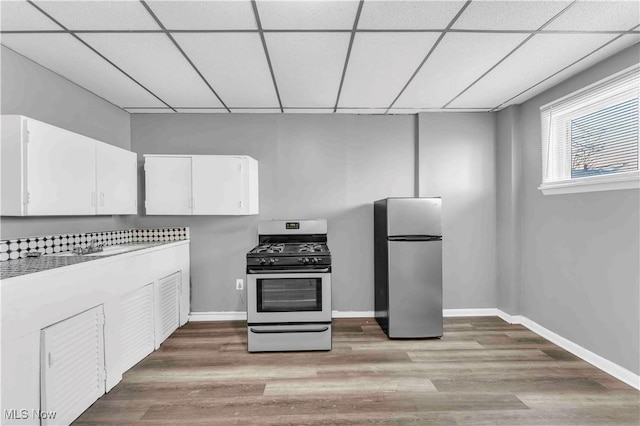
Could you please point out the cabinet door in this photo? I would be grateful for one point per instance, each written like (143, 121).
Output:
(167, 306)
(168, 185)
(217, 185)
(60, 171)
(72, 366)
(137, 327)
(116, 180)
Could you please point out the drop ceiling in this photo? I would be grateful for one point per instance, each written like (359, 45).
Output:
(349, 56)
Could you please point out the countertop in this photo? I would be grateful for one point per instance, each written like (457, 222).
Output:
(31, 265)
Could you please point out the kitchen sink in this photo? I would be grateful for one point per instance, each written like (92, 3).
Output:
(107, 251)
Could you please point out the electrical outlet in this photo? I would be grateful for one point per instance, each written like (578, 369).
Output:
(239, 284)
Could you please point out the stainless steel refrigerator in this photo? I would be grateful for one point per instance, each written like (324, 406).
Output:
(408, 267)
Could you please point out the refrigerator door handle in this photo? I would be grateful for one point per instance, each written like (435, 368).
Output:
(415, 238)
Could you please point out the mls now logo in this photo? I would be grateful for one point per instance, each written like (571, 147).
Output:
(23, 414)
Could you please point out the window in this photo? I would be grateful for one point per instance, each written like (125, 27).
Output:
(590, 137)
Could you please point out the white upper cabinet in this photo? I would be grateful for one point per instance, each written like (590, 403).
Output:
(45, 170)
(168, 185)
(116, 177)
(49, 171)
(225, 196)
(201, 185)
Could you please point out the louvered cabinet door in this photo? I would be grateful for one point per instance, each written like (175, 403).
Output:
(72, 366)
(137, 327)
(167, 306)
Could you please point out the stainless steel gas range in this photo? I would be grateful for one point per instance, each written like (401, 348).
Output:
(289, 287)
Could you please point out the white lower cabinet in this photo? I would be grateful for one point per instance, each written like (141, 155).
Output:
(137, 329)
(62, 350)
(72, 371)
(167, 306)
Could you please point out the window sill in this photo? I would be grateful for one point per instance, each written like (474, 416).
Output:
(612, 182)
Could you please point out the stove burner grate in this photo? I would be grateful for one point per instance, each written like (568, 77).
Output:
(309, 248)
(270, 248)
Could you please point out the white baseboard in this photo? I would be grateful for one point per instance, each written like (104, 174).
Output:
(603, 364)
(478, 312)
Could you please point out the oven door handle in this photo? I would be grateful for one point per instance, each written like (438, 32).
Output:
(291, 330)
(288, 271)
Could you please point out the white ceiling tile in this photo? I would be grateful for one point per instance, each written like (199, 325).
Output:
(308, 110)
(100, 14)
(508, 15)
(608, 50)
(205, 15)
(540, 57)
(149, 111)
(234, 64)
(66, 56)
(155, 62)
(21, 16)
(619, 15)
(465, 56)
(201, 110)
(380, 65)
(308, 66)
(399, 14)
(308, 14)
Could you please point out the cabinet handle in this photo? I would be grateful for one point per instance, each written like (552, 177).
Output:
(93, 198)
(49, 359)
(193, 203)
(102, 198)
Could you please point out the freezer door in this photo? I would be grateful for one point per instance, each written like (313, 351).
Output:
(415, 289)
(413, 216)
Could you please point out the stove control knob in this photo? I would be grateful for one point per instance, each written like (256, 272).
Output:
(305, 260)
(315, 260)
(262, 261)
(272, 261)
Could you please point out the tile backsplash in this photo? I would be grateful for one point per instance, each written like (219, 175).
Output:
(20, 247)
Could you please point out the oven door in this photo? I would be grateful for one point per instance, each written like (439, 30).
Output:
(288, 297)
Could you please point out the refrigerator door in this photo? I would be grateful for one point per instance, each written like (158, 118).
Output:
(413, 216)
(415, 289)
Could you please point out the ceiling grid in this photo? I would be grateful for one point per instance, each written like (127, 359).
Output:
(266, 52)
(577, 61)
(175, 43)
(509, 54)
(433, 48)
(318, 56)
(97, 53)
(346, 61)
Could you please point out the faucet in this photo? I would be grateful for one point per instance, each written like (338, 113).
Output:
(92, 247)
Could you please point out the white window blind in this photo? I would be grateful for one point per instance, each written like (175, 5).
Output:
(590, 137)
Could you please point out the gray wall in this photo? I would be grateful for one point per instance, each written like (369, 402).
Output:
(579, 253)
(29, 89)
(457, 153)
(331, 166)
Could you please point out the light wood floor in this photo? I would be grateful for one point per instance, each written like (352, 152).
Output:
(482, 372)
